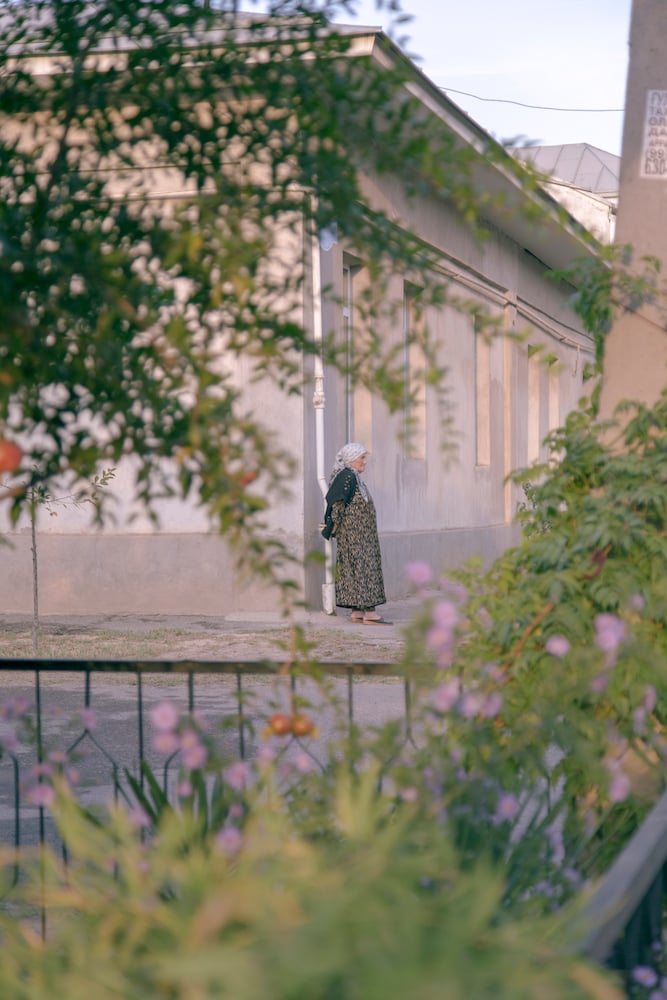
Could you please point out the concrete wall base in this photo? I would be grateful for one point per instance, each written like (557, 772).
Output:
(442, 550)
(128, 574)
(194, 574)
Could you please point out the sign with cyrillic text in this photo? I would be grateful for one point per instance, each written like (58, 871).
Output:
(654, 149)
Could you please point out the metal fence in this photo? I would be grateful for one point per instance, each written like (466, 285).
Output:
(624, 919)
(99, 713)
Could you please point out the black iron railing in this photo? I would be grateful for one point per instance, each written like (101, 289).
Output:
(59, 697)
(623, 920)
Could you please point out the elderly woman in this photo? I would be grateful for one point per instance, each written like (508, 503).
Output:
(350, 518)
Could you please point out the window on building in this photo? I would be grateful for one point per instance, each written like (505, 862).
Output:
(554, 395)
(482, 399)
(534, 372)
(414, 410)
(358, 399)
(349, 271)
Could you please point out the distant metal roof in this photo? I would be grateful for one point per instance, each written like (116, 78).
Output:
(577, 163)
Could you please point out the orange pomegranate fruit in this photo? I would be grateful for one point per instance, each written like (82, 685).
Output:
(10, 455)
(280, 724)
(302, 725)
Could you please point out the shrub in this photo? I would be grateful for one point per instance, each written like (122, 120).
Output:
(380, 909)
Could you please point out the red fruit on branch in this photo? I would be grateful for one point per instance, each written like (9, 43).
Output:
(10, 456)
(302, 725)
(280, 724)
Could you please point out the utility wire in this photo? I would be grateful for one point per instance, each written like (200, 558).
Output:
(537, 107)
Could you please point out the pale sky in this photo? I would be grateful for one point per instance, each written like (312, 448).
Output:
(570, 54)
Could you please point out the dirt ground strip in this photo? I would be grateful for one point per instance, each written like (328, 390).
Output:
(155, 638)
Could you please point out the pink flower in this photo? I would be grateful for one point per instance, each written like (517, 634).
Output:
(507, 807)
(410, 794)
(438, 638)
(441, 643)
(165, 742)
(455, 588)
(230, 839)
(44, 769)
(644, 975)
(42, 795)
(303, 763)
(610, 631)
(193, 751)
(419, 573)
(237, 775)
(471, 704)
(88, 718)
(619, 788)
(165, 716)
(557, 645)
(14, 708)
(492, 705)
(10, 742)
(445, 695)
(446, 615)
(266, 754)
(194, 757)
(138, 818)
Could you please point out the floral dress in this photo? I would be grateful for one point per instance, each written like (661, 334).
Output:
(359, 581)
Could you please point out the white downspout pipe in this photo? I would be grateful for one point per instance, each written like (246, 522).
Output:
(319, 403)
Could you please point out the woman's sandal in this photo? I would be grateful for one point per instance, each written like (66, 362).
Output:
(357, 617)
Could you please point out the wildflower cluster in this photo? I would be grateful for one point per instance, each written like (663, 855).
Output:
(16, 724)
(610, 632)
(58, 767)
(523, 719)
(649, 982)
(188, 739)
(174, 734)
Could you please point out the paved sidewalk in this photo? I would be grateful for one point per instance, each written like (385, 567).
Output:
(398, 613)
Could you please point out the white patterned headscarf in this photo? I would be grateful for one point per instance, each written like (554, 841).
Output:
(348, 453)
